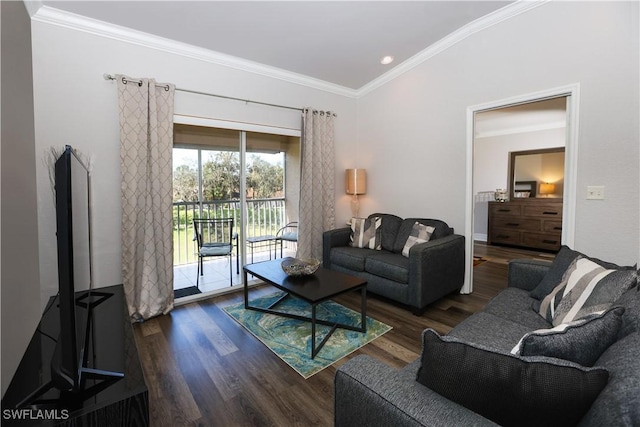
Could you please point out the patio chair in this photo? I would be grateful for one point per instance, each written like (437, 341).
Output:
(288, 233)
(215, 238)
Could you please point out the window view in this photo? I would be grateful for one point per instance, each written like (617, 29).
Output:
(206, 184)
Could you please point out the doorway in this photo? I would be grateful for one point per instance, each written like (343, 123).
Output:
(565, 95)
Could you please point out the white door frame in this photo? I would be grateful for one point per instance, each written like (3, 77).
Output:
(571, 91)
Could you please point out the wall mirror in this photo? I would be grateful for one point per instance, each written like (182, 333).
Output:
(536, 174)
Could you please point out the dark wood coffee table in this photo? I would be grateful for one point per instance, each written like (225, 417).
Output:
(321, 286)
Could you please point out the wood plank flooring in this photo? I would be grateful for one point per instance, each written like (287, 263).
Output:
(204, 369)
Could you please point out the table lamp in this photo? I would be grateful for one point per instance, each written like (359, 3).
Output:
(355, 183)
(547, 188)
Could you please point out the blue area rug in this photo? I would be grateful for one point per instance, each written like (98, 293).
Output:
(290, 339)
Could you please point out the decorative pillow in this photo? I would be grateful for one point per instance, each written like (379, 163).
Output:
(420, 233)
(507, 389)
(366, 233)
(586, 287)
(581, 341)
(560, 264)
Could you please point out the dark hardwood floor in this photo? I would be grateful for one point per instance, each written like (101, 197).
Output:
(204, 369)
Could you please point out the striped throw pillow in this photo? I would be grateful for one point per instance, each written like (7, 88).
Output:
(366, 233)
(586, 288)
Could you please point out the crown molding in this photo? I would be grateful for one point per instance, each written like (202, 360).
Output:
(53, 16)
(32, 6)
(487, 21)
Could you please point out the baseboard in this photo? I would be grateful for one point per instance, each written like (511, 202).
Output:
(478, 237)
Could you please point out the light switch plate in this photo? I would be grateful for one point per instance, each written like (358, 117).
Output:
(595, 192)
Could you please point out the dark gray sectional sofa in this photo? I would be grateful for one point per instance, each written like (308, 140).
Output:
(432, 270)
(370, 393)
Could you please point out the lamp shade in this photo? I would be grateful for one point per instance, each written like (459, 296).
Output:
(547, 188)
(356, 181)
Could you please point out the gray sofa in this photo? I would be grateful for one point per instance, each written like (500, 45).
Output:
(432, 270)
(370, 393)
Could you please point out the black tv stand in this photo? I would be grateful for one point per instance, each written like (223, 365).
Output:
(113, 387)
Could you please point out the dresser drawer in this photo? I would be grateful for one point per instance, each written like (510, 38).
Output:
(506, 237)
(542, 240)
(545, 211)
(520, 223)
(505, 209)
(552, 226)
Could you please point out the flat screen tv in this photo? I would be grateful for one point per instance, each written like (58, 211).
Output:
(73, 231)
(77, 299)
(70, 368)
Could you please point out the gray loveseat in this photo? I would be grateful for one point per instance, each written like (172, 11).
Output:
(432, 270)
(370, 393)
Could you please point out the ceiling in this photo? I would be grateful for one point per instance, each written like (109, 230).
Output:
(339, 42)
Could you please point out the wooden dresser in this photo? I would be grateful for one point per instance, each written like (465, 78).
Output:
(529, 223)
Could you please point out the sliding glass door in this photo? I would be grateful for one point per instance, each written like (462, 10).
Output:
(227, 173)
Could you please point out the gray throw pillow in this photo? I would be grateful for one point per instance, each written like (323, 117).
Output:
(507, 389)
(560, 263)
(586, 287)
(581, 341)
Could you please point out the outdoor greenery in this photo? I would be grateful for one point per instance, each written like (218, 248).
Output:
(221, 178)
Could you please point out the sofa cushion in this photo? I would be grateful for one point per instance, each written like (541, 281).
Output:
(560, 264)
(586, 287)
(581, 341)
(388, 265)
(441, 229)
(509, 390)
(390, 225)
(366, 233)
(630, 300)
(351, 258)
(619, 402)
(514, 304)
(489, 330)
(420, 233)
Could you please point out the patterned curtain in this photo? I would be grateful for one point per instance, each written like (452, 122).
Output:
(317, 180)
(146, 143)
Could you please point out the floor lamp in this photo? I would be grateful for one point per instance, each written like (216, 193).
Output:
(355, 183)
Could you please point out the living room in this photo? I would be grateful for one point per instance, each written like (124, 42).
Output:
(409, 132)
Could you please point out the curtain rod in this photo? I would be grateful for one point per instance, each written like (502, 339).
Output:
(139, 82)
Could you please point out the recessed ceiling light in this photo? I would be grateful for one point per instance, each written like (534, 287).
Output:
(386, 60)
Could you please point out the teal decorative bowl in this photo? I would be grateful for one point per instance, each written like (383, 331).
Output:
(299, 267)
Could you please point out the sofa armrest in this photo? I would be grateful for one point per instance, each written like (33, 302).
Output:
(331, 239)
(436, 268)
(526, 273)
(370, 393)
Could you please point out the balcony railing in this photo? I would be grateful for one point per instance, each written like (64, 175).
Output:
(264, 217)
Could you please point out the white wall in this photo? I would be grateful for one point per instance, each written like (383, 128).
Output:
(74, 105)
(412, 130)
(21, 307)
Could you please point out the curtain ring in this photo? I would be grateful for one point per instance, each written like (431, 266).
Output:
(166, 88)
(124, 80)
